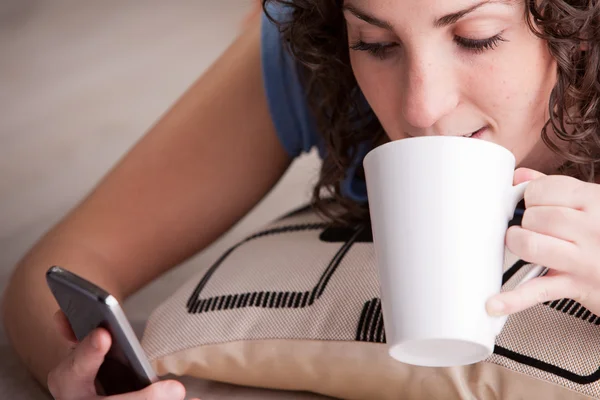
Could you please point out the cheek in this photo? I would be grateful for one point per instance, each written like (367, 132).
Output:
(380, 83)
(498, 87)
(522, 85)
(518, 87)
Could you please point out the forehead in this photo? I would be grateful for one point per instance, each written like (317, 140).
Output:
(420, 17)
(434, 10)
(425, 3)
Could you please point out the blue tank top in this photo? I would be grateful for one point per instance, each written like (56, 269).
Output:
(288, 106)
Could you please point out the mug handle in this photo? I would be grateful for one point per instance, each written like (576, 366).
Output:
(517, 194)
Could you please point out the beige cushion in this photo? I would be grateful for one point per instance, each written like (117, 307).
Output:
(296, 307)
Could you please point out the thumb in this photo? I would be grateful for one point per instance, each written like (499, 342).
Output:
(161, 390)
(74, 376)
(525, 174)
(89, 355)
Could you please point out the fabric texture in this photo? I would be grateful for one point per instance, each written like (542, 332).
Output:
(296, 307)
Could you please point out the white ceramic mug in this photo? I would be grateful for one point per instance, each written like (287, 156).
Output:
(440, 207)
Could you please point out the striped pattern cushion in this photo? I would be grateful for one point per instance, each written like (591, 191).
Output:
(296, 307)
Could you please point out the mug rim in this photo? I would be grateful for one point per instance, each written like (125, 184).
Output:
(437, 137)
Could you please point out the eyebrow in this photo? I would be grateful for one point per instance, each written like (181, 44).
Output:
(438, 23)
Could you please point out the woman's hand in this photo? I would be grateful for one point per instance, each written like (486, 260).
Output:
(560, 230)
(73, 378)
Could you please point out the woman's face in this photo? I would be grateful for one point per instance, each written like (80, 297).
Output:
(454, 67)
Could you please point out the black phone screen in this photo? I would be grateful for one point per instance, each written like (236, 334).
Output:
(116, 375)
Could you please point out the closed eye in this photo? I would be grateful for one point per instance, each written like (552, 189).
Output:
(379, 50)
(479, 45)
(384, 50)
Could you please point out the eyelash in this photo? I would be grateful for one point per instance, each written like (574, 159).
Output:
(477, 46)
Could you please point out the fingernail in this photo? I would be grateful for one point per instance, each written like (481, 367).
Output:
(496, 307)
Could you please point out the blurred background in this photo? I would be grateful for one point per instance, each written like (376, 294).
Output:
(80, 82)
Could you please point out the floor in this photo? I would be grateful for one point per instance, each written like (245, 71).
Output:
(80, 82)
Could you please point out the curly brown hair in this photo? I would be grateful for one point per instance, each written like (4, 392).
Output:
(316, 37)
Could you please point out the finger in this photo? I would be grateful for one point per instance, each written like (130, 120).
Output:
(64, 327)
(74, 377)
(88, 356)
(163, 390)
(78, 372)
(531, 293)
(559, 222)
(561, 191)
(543, 250)
(525, 175)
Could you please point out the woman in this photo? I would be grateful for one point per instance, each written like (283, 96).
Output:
(520, 74)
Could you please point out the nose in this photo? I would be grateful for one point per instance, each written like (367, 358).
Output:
(430, 93)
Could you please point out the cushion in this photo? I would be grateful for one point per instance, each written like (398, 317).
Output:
(296, 306)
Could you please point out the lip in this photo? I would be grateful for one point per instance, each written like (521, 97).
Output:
(478, 133)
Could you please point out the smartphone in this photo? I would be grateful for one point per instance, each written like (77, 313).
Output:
(125, 368)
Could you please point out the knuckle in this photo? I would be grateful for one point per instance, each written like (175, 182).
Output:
(594, 231)
(529, 247)
(582, 266)
(582, 296)
(565, 182)
(595, 234)
(544, 218)
(577, 188)
(528, 218)
(555, 218)
(576, 289)
(75, 366)
(531, 192)
(553, 214)
(536, 188)
(595, 271)
(533, 218)
(583, 292)
(542, 295)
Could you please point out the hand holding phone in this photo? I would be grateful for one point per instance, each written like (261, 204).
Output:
(107, 358)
